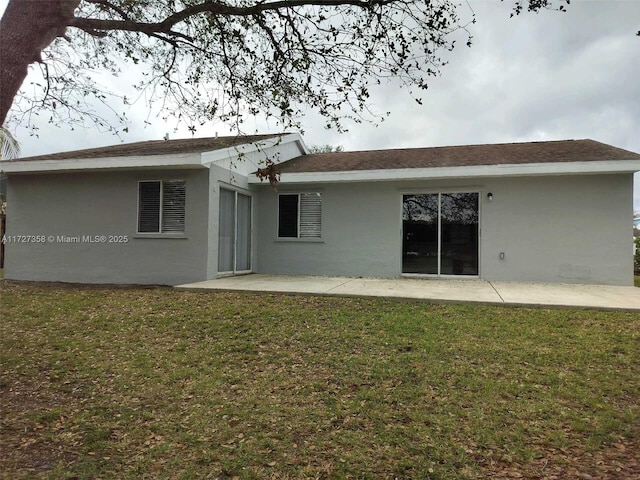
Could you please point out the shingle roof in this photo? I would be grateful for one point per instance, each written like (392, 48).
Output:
(153, 147)
(458, 156)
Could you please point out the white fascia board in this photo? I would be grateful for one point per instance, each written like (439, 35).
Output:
(513, 170)
(296, 137)
(190, 160)
(225, 154)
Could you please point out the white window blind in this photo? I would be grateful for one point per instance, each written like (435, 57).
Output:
(161, 206)
(300, 215)
(310, 215)
(173, 202)
(149, 194)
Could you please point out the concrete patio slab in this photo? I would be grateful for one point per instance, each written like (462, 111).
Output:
(257, 282)
(436, 290)
(460, 291)
(569, 295)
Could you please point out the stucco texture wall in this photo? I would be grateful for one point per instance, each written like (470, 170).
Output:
(560, 229)
(571, 229)
(104, 203)
(361, 231)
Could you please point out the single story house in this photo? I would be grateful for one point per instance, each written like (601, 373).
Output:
(179, 211)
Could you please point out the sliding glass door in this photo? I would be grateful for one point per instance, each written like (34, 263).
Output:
(243, 233)
(440, 233)
(234, 232)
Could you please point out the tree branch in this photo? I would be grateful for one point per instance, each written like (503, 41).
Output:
(165, 26)
(110, 6)
(222, 8)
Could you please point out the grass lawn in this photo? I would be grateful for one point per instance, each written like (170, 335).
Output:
(636, 281)
(156, 383)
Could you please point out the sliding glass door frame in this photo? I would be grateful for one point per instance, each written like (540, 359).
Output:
(235, 231)
(440, 193)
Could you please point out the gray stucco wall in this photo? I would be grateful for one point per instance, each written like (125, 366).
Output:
(361, 228)
(104, 203)
(560, 229)
(574, 229)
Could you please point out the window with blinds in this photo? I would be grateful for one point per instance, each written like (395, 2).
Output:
(149, 207)
(161, 206)
(300, 215)
(173, 201)
(310, 215)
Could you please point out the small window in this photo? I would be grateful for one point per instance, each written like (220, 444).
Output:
(300, 215)
(161, 206)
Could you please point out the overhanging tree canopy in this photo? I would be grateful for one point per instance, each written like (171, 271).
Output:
(210, 59)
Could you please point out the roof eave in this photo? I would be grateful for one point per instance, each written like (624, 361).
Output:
(476, 171)
(191, 160)
(134, 162)
(224, 154)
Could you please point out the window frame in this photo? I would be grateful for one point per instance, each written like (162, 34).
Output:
(236, 193)
(439, 192)
(298, 236)
(160, 212)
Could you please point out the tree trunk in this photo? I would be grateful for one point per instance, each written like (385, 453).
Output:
(27, 27)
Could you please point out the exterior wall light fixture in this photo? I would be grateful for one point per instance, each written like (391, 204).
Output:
(489, 196)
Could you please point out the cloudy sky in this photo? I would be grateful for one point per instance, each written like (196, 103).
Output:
(548, 76)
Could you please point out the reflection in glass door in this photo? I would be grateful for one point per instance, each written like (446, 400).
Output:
(234, 232)
(440, 233)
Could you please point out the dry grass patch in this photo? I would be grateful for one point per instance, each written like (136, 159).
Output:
(157, 383)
